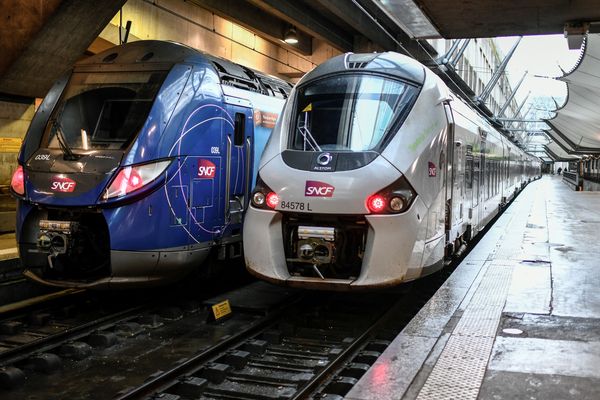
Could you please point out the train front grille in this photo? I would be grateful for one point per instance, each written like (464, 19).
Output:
(324, 246)
(65, 244)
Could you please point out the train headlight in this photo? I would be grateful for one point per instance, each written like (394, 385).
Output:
(258, 199)
(394, 199)
(397, 203)
(132, 178)
(17, 183)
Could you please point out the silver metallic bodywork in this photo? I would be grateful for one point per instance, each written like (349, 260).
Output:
(429, 150)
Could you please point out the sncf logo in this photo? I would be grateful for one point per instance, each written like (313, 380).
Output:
(206, 169)
(318, 189)
(432, 169)
(60, 184)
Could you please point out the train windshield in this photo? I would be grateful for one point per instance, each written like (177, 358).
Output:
(349, 112)
(102, 110)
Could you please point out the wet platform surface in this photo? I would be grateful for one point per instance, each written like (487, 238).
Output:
(518, 319)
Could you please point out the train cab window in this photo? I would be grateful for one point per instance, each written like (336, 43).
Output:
(239, 129)
(102, 110)
(349, 112)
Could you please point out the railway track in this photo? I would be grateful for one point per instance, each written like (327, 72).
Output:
(63, 325)
(49, 333)
(277, 343)
(318, 347)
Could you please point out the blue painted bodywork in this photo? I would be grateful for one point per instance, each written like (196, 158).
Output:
(189, 123)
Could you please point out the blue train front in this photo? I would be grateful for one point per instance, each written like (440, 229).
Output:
(138, 162)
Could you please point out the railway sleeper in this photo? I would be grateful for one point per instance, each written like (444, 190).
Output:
(44, 362)
(355, 370)
(11, 377)
(340, 385)
(250, 390)
(76, 350)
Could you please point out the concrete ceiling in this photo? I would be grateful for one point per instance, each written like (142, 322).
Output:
(490, 18)
(350, 25)
(50, 40)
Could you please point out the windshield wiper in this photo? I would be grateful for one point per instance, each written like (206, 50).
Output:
(62, 141)
(308, 137)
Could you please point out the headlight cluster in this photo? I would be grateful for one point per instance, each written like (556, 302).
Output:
(263, 197)
(393, 199)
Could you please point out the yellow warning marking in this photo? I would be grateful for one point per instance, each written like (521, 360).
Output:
(221, 309)
(10, 145)
(307, 108)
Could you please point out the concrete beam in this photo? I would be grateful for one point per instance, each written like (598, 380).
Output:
(316, 25)
(366, 25)
(63, 39)
(255, 19)
(418, 49)
(21, 21)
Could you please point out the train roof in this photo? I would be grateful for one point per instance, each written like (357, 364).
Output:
(388, 63)
(170, 53)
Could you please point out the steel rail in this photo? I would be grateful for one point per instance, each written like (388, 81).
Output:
(164, 380)
(335, 364)
(50, 342)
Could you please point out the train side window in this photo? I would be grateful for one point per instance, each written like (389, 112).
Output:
(469, 168)
(493, 177)
(488, 181)
(497, 177)
(239, 129)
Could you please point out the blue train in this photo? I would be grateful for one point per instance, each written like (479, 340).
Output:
(139, 163)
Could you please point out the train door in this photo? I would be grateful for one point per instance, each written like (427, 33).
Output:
(238, 166)
(482, 182)
(452, 178)
(469, 184)
(508, 180)
(205, 218)
(447, 172)
(476, 178)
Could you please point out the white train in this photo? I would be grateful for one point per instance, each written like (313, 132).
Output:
(374, 174)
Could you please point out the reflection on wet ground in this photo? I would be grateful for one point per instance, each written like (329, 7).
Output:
(520, 318)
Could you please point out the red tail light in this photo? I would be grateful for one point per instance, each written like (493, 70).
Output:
(126, 182)
(132, 178)
(272, 200)
(376, 203)
(17, 182)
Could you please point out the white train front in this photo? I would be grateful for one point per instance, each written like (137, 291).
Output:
(373, 175)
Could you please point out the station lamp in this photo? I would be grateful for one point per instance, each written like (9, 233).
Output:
(291, 36)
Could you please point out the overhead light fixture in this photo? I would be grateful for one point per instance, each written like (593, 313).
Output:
(291, 36)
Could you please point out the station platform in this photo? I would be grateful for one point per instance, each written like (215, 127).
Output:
(518, 319)
(8, 246)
